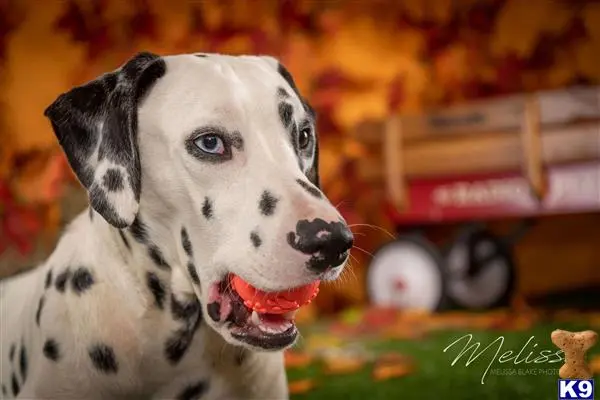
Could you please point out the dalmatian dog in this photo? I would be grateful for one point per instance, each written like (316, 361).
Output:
(198, 167)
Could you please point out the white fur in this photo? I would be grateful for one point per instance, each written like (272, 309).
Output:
(239, 94)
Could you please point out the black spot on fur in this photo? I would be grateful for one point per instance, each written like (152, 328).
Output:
(190, 314)
(4, 390)
(91, 213)
(267, 203)
(282, 93)
(103, 358)
(23, 364)
(15, 385)
(185, 242)
(11, 352)
(113, 180)
(207, 209)
(51, 350)
(158, 258)
(313, 191)
(193, 273)
(256, 240)
(294, 139)
(200, 55)
(157, 288)
(62, 279)
(124, 239)
(48, 279)
(177, 345)
(38, 313)
(105, 207)
(194, 391)
(184, 310)
(139, 231)
(214, 311)
(81, 280)
(286, 112)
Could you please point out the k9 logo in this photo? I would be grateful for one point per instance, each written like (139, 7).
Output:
(575, 389)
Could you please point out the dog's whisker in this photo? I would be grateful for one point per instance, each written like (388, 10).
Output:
(379, 228)
(363, 250)
(339, 204)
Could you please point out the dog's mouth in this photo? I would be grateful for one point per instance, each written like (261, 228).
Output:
(250, 323)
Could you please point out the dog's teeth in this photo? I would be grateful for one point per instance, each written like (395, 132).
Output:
(255, 319)
(290, 315)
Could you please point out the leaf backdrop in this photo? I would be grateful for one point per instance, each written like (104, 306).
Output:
(353, 59)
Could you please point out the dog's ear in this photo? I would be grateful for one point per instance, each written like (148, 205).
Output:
(313, 173)
(96, 125)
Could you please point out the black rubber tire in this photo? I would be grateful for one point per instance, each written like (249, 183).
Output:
(503, 251)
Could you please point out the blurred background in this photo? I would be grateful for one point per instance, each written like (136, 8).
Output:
(461, 139)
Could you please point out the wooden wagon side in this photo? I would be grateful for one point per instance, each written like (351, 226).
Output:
(519, 133)
(519, 156)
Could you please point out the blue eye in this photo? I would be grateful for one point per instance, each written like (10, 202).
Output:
(211, 144)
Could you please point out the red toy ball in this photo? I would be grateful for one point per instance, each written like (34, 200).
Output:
(274, 302)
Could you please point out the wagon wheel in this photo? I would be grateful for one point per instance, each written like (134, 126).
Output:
(407, 274)
(480, 271)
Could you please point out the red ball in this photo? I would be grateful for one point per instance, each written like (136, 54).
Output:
(274, 302)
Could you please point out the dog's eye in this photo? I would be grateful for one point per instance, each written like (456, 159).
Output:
(211, 144)
(304, 138)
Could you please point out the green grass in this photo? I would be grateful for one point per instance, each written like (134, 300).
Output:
(435, 378)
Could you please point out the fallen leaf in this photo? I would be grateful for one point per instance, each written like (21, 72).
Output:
(301, 386)
(342, 365)
(295, 359)
(383, 372)
(392, 358)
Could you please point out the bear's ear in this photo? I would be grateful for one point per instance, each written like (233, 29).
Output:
(96, 125)
(313, 173)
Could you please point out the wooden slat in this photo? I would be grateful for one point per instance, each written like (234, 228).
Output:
(557, 107)
(393, 163)
(532, 147)
(492, 152)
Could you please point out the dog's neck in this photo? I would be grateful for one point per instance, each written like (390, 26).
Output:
(143, 257)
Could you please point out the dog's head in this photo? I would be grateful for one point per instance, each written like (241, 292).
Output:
(219, 156)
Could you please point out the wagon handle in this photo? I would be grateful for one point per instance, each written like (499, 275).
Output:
(393, 163)
(531, 142)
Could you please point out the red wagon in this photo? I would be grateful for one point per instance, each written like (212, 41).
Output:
(518, 157)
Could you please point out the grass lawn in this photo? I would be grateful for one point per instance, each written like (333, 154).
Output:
(435, 378)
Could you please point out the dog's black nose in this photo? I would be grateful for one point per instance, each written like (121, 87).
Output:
(328, 243)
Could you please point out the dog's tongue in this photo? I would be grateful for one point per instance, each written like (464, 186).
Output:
(274, 302)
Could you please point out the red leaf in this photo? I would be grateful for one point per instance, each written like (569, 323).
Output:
(477, 90)
(291, 17)
(326, 124)
(198, 25)
(90, 29)
(143, 23)
(396, 94)
(9, 21)
(575, 31)
(73, 21)
(543, 55)
(333, 78)
(481, 16)
(508, 72)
